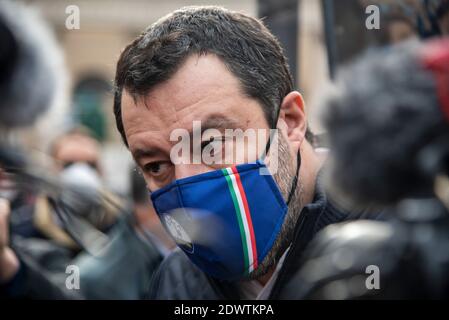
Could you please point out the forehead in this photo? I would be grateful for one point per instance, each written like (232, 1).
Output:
(77, 148)
(201, 88)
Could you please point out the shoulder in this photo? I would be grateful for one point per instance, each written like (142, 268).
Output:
(178, 278)
(344, 255)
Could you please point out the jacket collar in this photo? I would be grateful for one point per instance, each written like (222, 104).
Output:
(313, 217)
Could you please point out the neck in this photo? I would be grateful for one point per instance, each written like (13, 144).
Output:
(310, 167)
(266, 277)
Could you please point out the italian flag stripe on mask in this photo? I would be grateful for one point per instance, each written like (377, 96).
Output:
(243, 217)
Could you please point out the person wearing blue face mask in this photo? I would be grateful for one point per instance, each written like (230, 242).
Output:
(240, 230)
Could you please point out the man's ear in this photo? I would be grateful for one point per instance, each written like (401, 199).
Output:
(293, 115)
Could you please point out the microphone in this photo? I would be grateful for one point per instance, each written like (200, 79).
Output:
(28, 66)
(388, 124)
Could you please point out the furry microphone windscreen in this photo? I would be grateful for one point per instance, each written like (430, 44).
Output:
(28, 73)
(387, 131)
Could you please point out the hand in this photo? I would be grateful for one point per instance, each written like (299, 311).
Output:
(9, 264)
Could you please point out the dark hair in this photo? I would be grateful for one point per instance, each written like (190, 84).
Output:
(243, 43)
(75, 130)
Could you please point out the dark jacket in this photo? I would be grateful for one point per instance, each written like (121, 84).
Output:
(179, 278)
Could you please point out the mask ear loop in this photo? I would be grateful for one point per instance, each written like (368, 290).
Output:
(298, 159)
(295, 179)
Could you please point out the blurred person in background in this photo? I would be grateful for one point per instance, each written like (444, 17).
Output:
(77, 147)
(147, 220)
(433, 19)
(77, 159)
(76, 156)
(399, 28)
(443, 18)
(124, 267)
(429, 17)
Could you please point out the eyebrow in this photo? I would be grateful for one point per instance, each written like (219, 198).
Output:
(214, 121)
(219, 122)
(142, 153)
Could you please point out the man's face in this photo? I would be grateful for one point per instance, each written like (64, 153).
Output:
(77, 148)
(203, 89)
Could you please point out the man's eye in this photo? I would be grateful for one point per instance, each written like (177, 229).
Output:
(155, 169)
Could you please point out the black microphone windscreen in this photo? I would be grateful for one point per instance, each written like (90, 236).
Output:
(382, 115)
(28, 57)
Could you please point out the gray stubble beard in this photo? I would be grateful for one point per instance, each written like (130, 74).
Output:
(283, 177)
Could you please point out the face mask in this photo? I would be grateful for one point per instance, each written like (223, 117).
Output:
(9, 195)
(81, 175)
(8, 190)
(226, 220)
